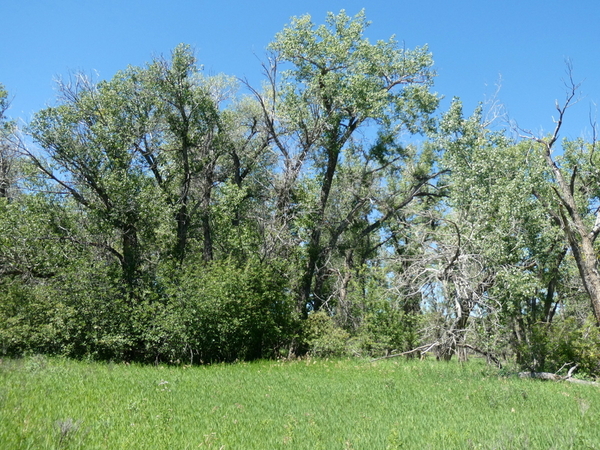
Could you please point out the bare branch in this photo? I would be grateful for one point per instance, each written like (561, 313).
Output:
(423, 349)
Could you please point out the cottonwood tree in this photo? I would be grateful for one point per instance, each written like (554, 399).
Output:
(201, 152)
(186, 151)
(495, 253)
(20, 255)
(90, 141)
(150, 179)
(242, 203)
(338, 84)
(573, 199)
(138, 153)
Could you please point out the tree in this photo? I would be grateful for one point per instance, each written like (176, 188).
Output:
(185, 165)
(90, 140)
(339, 83)
(144, 182)
(495, 257)
(573, 200)
(133, 151)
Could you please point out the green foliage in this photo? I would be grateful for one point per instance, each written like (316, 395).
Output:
(225, 311)
(80, 313)
(27, 323)
(9, 159)
(323, 337)
(217, 312)
(386, 328)
(561, 345)
(166, 218)
(340, 70)
(7, 127)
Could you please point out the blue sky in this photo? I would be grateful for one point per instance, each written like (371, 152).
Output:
(475, 44)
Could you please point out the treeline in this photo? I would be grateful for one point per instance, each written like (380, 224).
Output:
(165, 215)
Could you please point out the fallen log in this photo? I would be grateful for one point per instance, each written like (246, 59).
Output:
(554, 377)
(541, 376)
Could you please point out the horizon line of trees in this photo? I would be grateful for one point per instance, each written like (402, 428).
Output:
(162, 215)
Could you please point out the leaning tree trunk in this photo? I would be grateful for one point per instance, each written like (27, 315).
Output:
(566, 211)
(587, 264)
(311, 294)
(580, 239)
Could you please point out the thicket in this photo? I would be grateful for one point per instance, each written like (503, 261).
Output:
(168, 216)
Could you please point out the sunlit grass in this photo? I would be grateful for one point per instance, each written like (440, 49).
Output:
(307, 404)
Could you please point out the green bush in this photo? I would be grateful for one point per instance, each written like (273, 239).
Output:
(75, 320)
(382, 330)
(210, 312)
(562, 344)
(29, 322)
(323, 337)
(81, 313)
(224, 312)
(386, 329)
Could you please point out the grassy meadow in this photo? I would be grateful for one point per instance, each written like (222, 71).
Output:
(48, 403)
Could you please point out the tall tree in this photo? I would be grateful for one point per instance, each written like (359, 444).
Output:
(495, 251)
(574, 196)
(90, 140)
(133, 151)
(185, 164)
(338, 84)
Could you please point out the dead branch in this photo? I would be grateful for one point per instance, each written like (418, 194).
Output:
(488, 355)
(425, 348)
(555, 377)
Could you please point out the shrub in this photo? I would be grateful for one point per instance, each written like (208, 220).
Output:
(322, 337)
(220, 311)
(562, 344)
(387, 329)
(73, 315)
(223, 311)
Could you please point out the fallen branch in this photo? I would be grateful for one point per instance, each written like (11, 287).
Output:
(556, 377)
(541, 376)
(488, 355)
(578, 381)
(425, 349)
(571, 370)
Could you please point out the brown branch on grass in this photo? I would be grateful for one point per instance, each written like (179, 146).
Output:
(423, 349)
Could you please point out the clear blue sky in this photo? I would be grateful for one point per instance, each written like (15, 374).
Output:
(474, 43)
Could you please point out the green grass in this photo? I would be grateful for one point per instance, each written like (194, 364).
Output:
(48, 403)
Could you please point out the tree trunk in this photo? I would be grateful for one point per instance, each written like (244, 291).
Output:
(314, 267)
(207, 235)
(587, 264)
(549, 304)
(581, 241)
(182, 219)
(567, 213)
(131, 256)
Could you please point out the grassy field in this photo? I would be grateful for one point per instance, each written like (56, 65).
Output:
(48, 403)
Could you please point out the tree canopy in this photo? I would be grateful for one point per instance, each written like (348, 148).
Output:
(167, 215)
